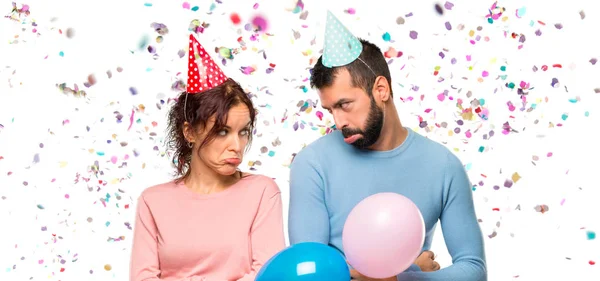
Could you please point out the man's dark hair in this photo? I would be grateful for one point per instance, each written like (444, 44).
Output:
(322, 76)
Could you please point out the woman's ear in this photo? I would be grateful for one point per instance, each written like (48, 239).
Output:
(188, 132)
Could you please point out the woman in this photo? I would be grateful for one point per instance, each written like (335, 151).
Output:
(213, 222)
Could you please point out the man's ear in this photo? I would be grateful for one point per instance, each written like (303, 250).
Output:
(381, 89)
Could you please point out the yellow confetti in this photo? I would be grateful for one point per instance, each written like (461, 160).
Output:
(468, 115)
(63, 164)
(516, 177)
(107, 267)
(322, 131)
(114, 181)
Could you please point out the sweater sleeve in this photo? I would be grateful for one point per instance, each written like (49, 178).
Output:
(267, 235)
(308, 218)
(144, 264)
(462, 233)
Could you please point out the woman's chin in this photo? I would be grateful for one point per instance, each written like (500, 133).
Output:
(227, 171)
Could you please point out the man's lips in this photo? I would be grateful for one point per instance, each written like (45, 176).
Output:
(351, 139)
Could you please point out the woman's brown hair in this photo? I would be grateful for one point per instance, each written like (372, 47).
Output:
(197, 111)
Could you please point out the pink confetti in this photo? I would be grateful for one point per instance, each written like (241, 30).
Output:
(113, 159)
(67, 196)
(428, 110)
(255, 6)
(441, 97)
(351, 11)
(562, 202)
(484, 74)
(468, 57)
(320, 115)
(186, 5)
(511, 107)
(131, 119)
(549, 154)
(468, 134)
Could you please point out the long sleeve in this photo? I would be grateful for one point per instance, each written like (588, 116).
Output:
(308, 218)
(267, 235)
(462, 233)
(144, 264)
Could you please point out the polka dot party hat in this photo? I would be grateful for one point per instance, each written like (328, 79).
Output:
(203, 72)
(341, 47)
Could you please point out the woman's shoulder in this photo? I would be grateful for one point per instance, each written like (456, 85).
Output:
(159, 189)
(262, 182)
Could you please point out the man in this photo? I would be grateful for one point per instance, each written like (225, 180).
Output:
(371, 152)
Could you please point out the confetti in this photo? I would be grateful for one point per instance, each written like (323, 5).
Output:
(413, 34)
(235, 18)
(478, 81)
(259, 23)
(439, 9)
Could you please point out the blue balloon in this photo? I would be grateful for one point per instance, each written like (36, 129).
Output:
(307, 261)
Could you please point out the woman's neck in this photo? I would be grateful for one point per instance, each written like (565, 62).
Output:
(204, 180)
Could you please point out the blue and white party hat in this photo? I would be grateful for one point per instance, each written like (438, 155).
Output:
(341, 47)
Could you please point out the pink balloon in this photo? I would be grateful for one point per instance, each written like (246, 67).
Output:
(383, 235)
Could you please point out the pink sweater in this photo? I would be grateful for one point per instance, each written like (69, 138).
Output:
(180, 235)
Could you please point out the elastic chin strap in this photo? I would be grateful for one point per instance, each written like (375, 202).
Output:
(185, 108)
(367, 66)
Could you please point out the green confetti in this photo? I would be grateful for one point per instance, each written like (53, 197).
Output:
(591, 235)
(386, 37)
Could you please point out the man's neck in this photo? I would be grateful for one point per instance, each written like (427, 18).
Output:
(393, 134)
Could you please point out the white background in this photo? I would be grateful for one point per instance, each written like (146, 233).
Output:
(524, 244)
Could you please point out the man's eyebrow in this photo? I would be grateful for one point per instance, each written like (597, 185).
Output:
(338, 103)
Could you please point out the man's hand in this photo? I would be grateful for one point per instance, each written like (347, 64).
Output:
(426, 261)
(359, 277)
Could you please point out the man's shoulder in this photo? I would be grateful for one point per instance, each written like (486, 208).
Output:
(329, 143)
(434, 151)
(431, 147)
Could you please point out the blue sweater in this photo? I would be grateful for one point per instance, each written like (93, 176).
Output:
(329, 177)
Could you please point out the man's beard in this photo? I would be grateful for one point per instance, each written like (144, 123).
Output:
(372, 130)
